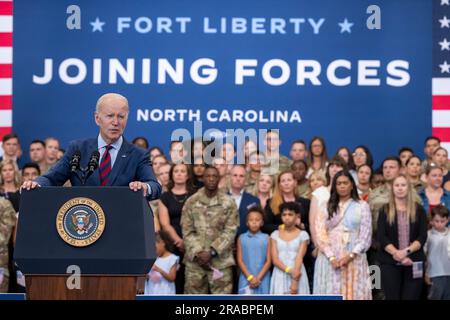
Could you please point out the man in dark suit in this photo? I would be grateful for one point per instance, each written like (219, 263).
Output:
(121, 163)
(243, 200)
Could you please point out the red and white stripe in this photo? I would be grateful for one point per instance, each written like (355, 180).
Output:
(6, 56)
(441, 110)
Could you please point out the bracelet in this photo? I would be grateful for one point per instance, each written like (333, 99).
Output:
(287, 269)
(331, 259)
(250, 277)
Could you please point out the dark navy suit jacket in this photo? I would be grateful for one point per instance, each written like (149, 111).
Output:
(247, 202)
(132, 164)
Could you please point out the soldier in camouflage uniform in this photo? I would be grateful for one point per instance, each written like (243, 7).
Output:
(209, 223)
(8, 221)
(431, 144)
(275, 162)
(300, 168)
(255, 162)
(380, 196)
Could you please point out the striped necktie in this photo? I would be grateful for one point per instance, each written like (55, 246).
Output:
(105, 166)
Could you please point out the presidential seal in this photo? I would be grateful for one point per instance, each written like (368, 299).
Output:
(80, 222)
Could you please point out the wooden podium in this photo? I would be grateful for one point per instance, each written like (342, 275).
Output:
(92, 288)
(113, 267)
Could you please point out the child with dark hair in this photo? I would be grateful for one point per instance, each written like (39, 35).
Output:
(253, 255)
(438, 254)
(288, 246)
(161, 278)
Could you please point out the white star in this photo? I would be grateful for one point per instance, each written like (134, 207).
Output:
(445, 67)
(445, 22)
(445, 2)
(97, 25)
(345, 26)
(445, 45)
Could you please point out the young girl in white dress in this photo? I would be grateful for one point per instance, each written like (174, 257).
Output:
(288, 247)
(161, 278)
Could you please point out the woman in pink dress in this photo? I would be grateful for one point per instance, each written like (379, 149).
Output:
(344, 233)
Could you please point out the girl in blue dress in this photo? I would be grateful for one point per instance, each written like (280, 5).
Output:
(253, 256)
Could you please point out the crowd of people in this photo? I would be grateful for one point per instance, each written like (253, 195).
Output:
(303, 224)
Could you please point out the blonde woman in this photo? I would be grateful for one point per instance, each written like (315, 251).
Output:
(263, 189)
(316, 180)
(402, 233)
(434, 194)
(10, 181)
(440, 157)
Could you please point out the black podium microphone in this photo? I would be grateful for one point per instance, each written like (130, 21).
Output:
(75, 161)
(93, 161)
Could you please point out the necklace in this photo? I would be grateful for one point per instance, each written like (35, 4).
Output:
(180, 198)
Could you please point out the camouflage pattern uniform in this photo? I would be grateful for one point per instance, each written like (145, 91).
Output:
(377, 199)
(250, 183)
(227, 185)
(209, 223)
(303, 190)
(277, 164)
(8, 221)
(425, 165)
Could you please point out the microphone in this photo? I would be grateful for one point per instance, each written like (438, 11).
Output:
(93, 162)
(75, 161)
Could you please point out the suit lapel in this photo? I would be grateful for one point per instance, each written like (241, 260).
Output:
(122, 158)
(243, 201)
(94, 179)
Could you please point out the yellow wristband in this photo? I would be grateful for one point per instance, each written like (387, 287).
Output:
(250, 277)
(287, 269)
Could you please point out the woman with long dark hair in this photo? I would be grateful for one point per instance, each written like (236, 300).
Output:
(362, 155)
(413, 168)
(344, 233)
(364, 173)
(317, 156)
(179, 189)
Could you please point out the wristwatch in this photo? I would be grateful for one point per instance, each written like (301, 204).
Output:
(213, 252)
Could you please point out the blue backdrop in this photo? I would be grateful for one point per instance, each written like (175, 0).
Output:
(327, 73)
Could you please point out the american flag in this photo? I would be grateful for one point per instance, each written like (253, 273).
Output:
(441, 71)
(6, 55)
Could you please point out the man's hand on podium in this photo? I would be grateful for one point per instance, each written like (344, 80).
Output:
(137, 185)
(29, 185)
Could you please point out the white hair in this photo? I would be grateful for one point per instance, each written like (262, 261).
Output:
(108, 96)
